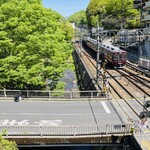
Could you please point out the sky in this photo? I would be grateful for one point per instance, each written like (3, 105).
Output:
(66, 7)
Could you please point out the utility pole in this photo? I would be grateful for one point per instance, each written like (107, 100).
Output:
(144, 101)
(122, 5)
(98, 64)
(81, 35)
(141, 13)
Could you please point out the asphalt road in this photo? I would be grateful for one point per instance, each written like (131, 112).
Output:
(58, 113)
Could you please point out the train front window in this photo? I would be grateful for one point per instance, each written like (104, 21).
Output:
(120, 56)
(124, 56)
(115, 57)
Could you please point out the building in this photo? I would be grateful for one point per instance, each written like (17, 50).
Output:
(138, 4)
(144, 60)
(146, 14)
(146, 19)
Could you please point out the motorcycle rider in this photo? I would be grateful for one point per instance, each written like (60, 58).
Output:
(17, 97)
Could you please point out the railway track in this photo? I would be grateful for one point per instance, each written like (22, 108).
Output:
(141, 84)
(134, 67)
(124, 92)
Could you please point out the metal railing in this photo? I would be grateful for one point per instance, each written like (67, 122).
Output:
(52, 94)
(72, 130)
(142, 135)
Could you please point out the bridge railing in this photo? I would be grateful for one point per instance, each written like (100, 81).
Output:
(52, 94)
(70, 130)
(142, 135)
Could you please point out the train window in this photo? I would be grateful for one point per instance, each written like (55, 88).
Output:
(124, 56)
(116, 56)
(120, 56)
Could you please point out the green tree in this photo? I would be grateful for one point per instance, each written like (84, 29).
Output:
(110, 23)
(34, 44)
(124, 12)
(112, 14)
(78, 18)
(96, 11)
(7, 145)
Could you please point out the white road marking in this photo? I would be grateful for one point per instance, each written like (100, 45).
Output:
(105, 107)
(14, 122)
(27, 122)
(49, 122)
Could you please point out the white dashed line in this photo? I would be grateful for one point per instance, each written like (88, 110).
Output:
(105, 107)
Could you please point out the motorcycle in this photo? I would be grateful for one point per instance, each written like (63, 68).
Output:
(17, 98)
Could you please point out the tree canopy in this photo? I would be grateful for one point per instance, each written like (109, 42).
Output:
(79, 18)
(113, 14)
(110, 14)
(35, 44)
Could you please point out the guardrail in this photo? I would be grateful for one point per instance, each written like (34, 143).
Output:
(52, 94)
(72, 130)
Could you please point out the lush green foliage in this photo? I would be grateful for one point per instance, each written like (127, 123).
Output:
(113, 14)
(78, 18)
(7, 145)
(34, 44)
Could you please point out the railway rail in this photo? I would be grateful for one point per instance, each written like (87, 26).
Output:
(125, 93)
(139, 70)
(142, 84)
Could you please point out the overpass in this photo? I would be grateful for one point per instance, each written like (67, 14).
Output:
(38, 121)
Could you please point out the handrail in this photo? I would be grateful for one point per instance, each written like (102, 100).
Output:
(139, 131)
(65, 130)
(74, 94)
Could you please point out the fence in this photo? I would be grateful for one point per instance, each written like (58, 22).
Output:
(52, 94)
(74, 130)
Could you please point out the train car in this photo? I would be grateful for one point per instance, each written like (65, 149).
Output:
(113, 54)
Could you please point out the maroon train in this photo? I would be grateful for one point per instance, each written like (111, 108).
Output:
(113, 54)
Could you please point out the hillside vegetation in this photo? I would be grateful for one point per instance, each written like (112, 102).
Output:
(79, 18)
(111, 14)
